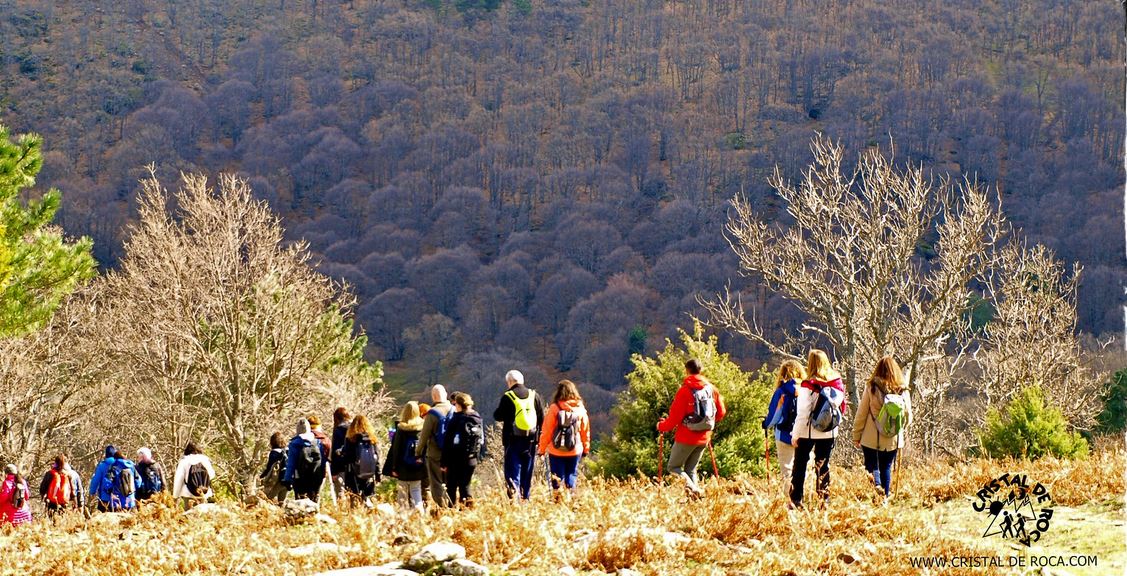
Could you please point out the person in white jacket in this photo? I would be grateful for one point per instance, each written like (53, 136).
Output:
(194, 475)
(805, 438)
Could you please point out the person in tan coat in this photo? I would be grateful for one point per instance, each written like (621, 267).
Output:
(879, 435)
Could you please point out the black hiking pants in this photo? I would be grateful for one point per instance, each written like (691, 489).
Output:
(822, 448)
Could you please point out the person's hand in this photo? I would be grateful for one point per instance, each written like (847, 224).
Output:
(443, 469)
(764, 423)
(394, 474)
(856, 443)
(794, 442)
(660, 422)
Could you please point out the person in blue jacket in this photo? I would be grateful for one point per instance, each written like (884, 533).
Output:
(303, 461)
(115, 482)
(781, 411)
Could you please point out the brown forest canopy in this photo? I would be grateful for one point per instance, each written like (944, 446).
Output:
(544, 181)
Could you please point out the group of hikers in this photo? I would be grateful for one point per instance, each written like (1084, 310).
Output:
(435, 448)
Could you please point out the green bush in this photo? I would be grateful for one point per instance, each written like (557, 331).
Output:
(1030, 428)
(738, 438)
(1113, 418)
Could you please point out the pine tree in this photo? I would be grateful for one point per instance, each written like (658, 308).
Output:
(38, 266)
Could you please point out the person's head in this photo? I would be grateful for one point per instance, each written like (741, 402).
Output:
(566, 390)
(144, 455)
(191, 448)
(360, 425)
(341, 416)
(423, 409)
(790, 370)
(11, 470)
(410, 412)
(462, 401)
(302, 427)
(110, 451)
(60, 462)
(438, 393)
(513, 378)
(692, 367)
(887, 376)
(119, 455)
(314, 421)
(818, 366)
(277, 440)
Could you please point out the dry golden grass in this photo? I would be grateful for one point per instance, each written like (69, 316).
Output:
(741, 526)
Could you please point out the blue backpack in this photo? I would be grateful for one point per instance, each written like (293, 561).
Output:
(440, 426)
(410, 461)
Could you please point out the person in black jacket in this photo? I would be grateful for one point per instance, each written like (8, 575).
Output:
(402, 464)
(275, 469)
(464, 442)
(519, 432)
(342, 418)
(361, 465)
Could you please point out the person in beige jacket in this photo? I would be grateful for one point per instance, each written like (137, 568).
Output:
(879, 449)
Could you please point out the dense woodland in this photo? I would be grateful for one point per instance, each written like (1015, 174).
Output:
(542, 183)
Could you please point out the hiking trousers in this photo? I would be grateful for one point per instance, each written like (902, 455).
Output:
(437, 482)
(878, 463)
(785, 453)
(564, 468)
(411, 494)
(822, 448)
(520, 459)
(458, 480)
(683, 461)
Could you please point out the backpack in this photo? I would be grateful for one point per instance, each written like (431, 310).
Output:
(826, 413)
(469, 438)
(441, 423)
(367, 463)
(123, 481)
(151, 481)
(703, 417)
(308, 461)
(275, 473)
(59, 489)
(524, 419)
(890, 419)
(18, 498)
(198, 481)
(566, 436)
(410, 461)
(789, 413)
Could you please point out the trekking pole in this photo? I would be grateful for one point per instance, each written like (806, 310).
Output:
(660, 455)
(332, 488)
(712, 453)
(767, 452)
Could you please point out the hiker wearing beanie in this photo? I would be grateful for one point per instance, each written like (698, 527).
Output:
(781, 413)
(152, 475)
(304, 471)
(821, 406)
(566, 437)
(695, 410)
(884, 413)
(15, 498)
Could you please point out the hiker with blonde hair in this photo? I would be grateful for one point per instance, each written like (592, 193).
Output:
(402, 463)
(884, 413)
(781, 413)
(821, 405)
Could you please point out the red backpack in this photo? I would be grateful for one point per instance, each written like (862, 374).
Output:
(59, 490)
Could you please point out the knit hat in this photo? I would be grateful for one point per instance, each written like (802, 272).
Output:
(144, 455)
(303, 426)
(110, 451)
(11, 469)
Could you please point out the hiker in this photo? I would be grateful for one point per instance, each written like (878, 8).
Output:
(152, 475)
(303, 460)
(521, 414)
(402, 464)
(194, 475)
(883, 414)
(464, 443)
(57, 487)
(15, 498)
(360, 460)
(341, 420)
(781, 413)
(821, 403)
(566, 436)
(326, 468)
(79, 501)
(431, 438)
(115, 482)
(696, 409)
(275, 471)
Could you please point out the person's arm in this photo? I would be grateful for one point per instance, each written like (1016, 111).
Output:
(178, 478)
(45, 484)
(539, 403)
(773, 407)
(425, 434)
(293, 452)
(585, 433)
(136, 478)
(96, 479)
(547, 430)
(802, 416)
(676, 411)
(721, 407)
(861, 419)
(207, 466)
(505, 411)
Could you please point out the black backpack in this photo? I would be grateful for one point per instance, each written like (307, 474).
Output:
(198, 481)
(308, 461)
(151, 481)
(410, 461)
(566, 436)
(469, 438)
(367, 462)
(18, 499)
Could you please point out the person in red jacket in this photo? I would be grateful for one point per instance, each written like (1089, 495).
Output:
(695, 410)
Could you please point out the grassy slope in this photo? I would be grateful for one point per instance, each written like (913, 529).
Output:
(740, 527)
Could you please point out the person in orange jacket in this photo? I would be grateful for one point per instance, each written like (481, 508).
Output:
(565, 435)
(695, 410)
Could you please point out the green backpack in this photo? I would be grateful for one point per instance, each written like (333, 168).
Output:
(524, 422)
(890, 419)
